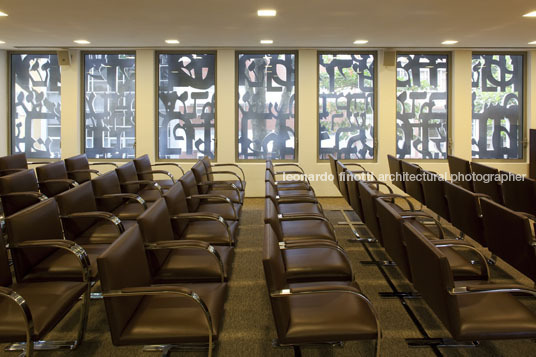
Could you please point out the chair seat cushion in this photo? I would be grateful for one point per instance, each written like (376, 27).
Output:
(494, 316)
(321, 263)
(172, 319)
(222, 209)
(462, 269)
(102, 232)
(223, 186)
(305, 207)
(286, 193)
(210, 231)
(310, 229)
(128, 211)
(48, 303)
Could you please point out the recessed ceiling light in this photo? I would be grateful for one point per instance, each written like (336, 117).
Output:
(172, 42)
(360, 42)
(266, 12)
(532, 43)
(82, 42)
(449, 42)
(267, 42)
(2, 42)
(530, 14)
(2, 13)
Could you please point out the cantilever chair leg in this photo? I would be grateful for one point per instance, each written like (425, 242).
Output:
(399, 294)
(352, 224)
(439, 342)
(167, 349)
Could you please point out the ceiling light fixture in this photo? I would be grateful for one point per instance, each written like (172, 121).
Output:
(172, 42)
(530, 14)
(2, 13)
(266, 13)
(360, 42)
(82, 42)
(267, 42)
(449, 42)
(2, 42)
(532, 43)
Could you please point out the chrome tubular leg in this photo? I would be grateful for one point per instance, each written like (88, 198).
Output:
(43, 346)
(385, 263)
(439, 342)
(399, 294)
(357, 238)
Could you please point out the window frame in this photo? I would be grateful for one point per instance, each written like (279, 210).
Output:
(10, 103)
(524, 127)
(374, 158)
(83, 100)
(239, 52)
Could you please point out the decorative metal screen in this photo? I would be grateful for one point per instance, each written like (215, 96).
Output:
(266, 106)
(346, 105)
(35, 105)
(497, 106)
(421, 108)
(110, 105)
(186, 105)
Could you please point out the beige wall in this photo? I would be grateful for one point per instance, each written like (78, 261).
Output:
(307, 114)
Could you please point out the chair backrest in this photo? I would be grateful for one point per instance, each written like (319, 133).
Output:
(127, 172)
(461, 168)
(54, 170)
(488, 182)
(333, 166)
(107, 184)
(274, 273)
(37, 222)
(200, 172)
(5, 273)
(78, 199)
(396, 172)
(155, 226)
(123, 265)
(509, 236)
(412, 184)
(208, 167)
(23, 181)
(78, 162)
(368, 195)
(432, 276)
(189, 184)
(176, 204)
(342, 176)
(519, 192)
(8, 164)
(270, 217)
(465, 212)
(143, 164)
(434, 194)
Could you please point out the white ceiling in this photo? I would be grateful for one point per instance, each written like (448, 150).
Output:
(299, 23)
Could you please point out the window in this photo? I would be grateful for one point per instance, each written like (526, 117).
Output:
(35, 105)
(266, 106)
(110, 108)
(497, 106)
(186, 105)
(422, 105)
(346, 105)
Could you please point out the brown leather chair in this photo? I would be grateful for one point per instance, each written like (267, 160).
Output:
(240, 181)
(179, 260)
(470, 312)
(434, 194)
(149, 190)
(308, 313)
(206, 186)
(218, 204)
(395, 169)
(78, 168)
(192, 313)
(519, 192)
(490, 183)
(314, 260)
(413, 187)
(293, 204)
(298, 226)
(82, 222)
(39, 249)
(461, 168)
(53, 178)
(19, 190)
(107, 190)
(31, 310)
(13, 163)
(509, 236)
(146, 172)
(204, 226)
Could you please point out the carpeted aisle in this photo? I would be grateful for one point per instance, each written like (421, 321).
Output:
(248, 329)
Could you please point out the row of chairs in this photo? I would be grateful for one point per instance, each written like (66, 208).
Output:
(173, 250)
(506, 233)
(312, 290)
(456, 289)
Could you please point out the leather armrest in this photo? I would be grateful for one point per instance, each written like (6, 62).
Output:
(295, 199)
(169, 164)
(454, 243)
(37, 195)
(283, 164)
(229, 173)
(68, 181)
(89, 171)
(492, 288)
(144, 182)
(425, 215)
(128, 196)
(231, 186)
(233, 165)
(305, 217)
(99, 215)
(163, 172)
(395, 195)
(378, 183)
(103, 163)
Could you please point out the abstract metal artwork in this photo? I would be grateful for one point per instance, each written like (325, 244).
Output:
(35, 105)
(110, 105)
(346, 105)
(497, 106)
(186, 105)
(266, 106)
(421, 108)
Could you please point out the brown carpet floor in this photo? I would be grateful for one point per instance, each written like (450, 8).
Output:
(248, 329)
